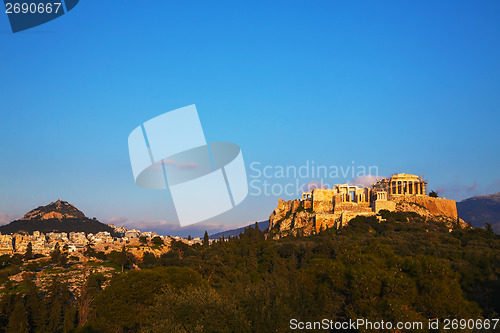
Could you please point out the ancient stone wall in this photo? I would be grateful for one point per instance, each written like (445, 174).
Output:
(324, 221)
(381, 204)
(323, 200)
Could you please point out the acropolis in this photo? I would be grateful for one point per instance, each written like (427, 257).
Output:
(335, 207)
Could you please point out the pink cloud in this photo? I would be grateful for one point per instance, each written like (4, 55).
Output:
(454, 188)
(365, 181)
(312, 185)
(146, 224)
(7, 218)
(116, 220)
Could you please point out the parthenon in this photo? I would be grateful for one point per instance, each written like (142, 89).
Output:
(401, 184)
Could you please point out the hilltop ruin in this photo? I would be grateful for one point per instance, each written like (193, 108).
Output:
(321, 209)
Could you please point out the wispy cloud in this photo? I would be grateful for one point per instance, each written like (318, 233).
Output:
(312, 185)
(457, 188)
(165, 227)
(116, 220)
(494, 187)
(365, 181)
(7, 218)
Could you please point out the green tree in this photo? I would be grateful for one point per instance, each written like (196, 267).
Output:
(148, 260)
(143, 239)
(157, 240)
(205, 239)
(123, 258)
(189, 237)
(489, 229)
(90, 251)
(18, 320)
(58, 257)
(126, 303)
(56, 301)
(55, 255)
(93, 283)
(29, 252)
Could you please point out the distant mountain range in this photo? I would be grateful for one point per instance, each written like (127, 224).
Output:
(481, 210)
(235, 232)
(58, 216)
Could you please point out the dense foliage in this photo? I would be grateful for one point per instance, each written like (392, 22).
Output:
(400, 269)
(57, 225)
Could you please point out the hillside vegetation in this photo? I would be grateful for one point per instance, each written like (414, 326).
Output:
(401, 269)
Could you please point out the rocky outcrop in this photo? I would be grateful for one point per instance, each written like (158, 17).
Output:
(294, 217)
(305, 217)
(437, 208)
(434, 206)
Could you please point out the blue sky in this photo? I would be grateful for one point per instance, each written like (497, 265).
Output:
(403, 86)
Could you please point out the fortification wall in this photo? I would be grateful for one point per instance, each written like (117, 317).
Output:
(380, 205)
(436, 206)
(323, 200)
(324, 221)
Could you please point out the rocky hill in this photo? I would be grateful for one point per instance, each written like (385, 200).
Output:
(481, 210)
(58, 216)
(302, 217)
(55, 210)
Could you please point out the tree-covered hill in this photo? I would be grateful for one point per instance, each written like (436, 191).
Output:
(404, 268)
(57, 225)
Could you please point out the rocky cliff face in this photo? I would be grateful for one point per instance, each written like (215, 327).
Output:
(294, 217)
(432, 206)
(437, 208)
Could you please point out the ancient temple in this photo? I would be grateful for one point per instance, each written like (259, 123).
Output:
(401, 184)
